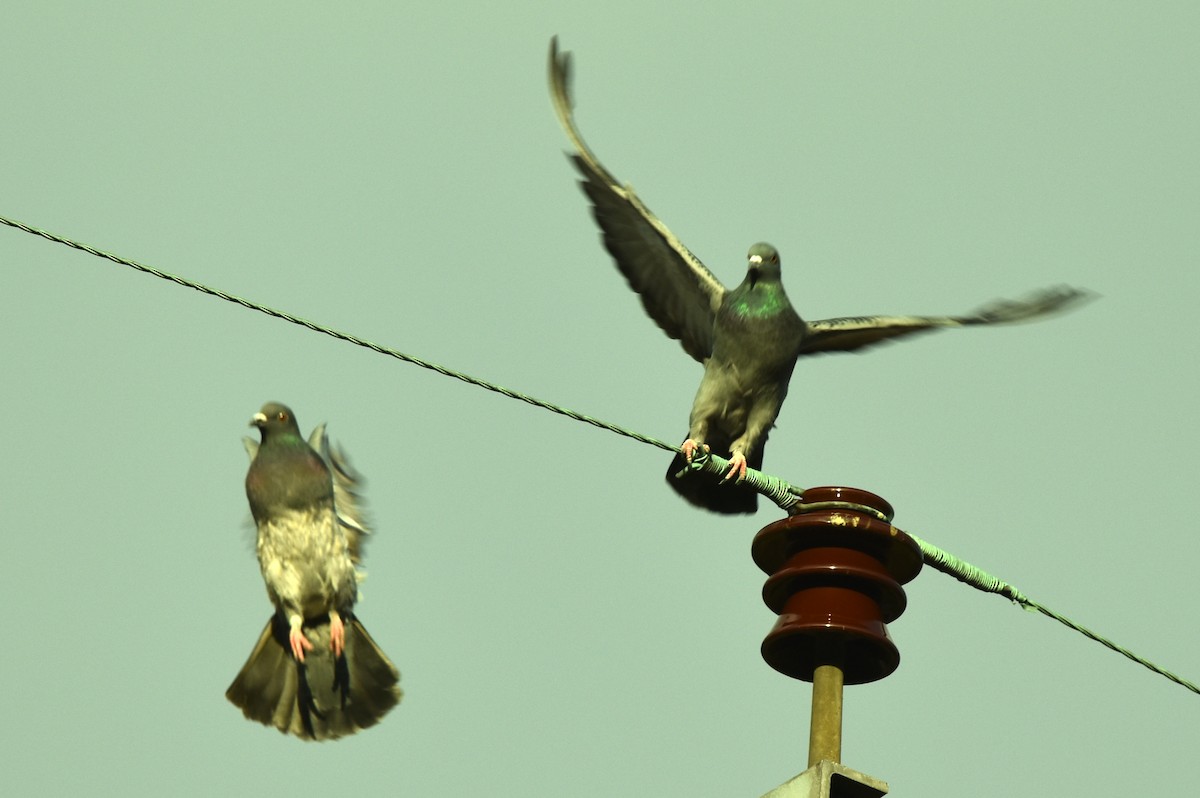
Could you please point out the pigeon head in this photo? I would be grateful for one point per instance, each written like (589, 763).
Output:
(763, 263)
(275, 418)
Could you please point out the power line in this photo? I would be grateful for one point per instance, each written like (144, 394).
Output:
(982, 580)
(341, 336)
(779, 491)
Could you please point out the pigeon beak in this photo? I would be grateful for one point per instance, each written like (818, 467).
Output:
(755, 266)
(259, 420)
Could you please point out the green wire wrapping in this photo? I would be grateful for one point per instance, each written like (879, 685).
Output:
(982, 580)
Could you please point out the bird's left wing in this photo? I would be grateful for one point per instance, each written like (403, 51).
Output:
(677, 290)
(855, 332)
(347, 492)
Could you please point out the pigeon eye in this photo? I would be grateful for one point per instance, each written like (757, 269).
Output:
(282, 416)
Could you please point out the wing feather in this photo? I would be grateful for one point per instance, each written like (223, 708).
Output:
(677, 290)
(856, 332)
(348, 503)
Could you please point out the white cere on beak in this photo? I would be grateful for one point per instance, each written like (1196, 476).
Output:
(259, 418)
(756, 260)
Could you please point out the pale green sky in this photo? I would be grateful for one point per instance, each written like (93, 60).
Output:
(563, 623)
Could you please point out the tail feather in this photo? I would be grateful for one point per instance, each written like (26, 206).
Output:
(324, 697)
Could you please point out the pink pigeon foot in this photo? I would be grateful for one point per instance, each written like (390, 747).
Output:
(690, 447)
(737, 465)
(299, 643)
(337, 633)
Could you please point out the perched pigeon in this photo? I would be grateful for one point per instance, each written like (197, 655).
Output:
(315, 671)
(747, 338)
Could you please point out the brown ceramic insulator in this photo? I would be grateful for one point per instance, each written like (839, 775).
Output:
(834, 579)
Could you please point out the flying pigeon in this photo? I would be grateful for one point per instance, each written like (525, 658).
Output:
(315, 671)
(747, 338)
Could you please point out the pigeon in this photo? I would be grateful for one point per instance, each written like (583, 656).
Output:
(315, 672)
(747, 338)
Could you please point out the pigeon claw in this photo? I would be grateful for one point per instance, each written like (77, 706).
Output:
(337, 633)
(737, 465)
(299, 643)
(690, 447)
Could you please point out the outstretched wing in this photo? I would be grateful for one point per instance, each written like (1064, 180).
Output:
(677, 290)
(347, 492)
(856, 332)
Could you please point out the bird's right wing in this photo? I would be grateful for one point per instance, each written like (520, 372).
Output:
(677, 290)
(855, 332)
(347, 492)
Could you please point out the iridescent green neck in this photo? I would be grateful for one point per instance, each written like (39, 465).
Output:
(764, 299)
(284, 439)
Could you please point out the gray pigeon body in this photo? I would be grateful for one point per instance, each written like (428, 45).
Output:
(315, 671)
(747, 338)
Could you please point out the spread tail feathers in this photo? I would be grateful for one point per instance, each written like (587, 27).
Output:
(322, 698)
